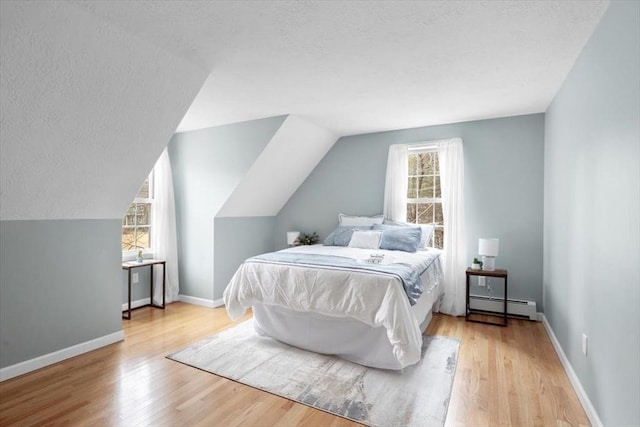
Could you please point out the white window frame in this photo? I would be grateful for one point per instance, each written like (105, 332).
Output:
(419, 149)
(130, 255)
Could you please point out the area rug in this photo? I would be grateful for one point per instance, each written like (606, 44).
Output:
(416, 396)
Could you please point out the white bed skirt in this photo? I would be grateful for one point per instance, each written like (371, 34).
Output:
(344, 337)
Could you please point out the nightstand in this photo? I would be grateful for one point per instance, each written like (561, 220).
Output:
(146, 263)
(501, 274)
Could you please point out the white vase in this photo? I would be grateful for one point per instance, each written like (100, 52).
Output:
(475, 266)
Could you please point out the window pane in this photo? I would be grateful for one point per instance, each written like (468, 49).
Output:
(437, 189)
(438, 238)
(411, 213)
(130, 216)
(412, 164)
(425, 213)
(128, 239)
(422, 163)
(412, 190)
(142, 238)
(429, 168)
(143, 213)
(438, 218)
(426, 186)
(143, 193)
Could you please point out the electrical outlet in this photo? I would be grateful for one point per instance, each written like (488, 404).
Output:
(585, 343)
(135, 277)
(482, 281)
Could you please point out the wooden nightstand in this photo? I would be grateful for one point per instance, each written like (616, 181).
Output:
(484, 273)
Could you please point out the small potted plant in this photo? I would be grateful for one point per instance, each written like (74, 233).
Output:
(139, 255)
(477, 265)
(307, 239)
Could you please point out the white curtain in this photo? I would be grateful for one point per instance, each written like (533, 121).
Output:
(163, 230)
(451, 159)
(395, 189)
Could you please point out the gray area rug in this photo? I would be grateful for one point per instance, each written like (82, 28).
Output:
(417, 396)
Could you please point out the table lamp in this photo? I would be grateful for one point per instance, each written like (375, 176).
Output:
(292, 236)
(488, 248)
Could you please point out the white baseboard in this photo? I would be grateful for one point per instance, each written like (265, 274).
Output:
(58, 356)
(137, 303)
(201, 301)
(594, 419)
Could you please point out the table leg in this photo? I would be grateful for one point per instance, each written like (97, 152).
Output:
(505, 301)
(467, 305)
(151, 286)
(129, 295)
(164, 281)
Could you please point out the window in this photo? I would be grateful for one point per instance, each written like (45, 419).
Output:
(136, 224)
(424, 198)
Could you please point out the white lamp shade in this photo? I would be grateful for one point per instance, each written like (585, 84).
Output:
(292, 236)
(488, 247)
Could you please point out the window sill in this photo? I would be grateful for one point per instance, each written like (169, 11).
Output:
(133, 255)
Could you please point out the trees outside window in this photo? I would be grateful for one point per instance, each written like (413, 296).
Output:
(424, 198)
(136, 224)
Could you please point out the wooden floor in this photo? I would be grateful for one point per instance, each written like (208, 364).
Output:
(505, 376)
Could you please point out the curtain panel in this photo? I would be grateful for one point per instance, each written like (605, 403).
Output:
(397, 181)
(164, 242)
(451, 161)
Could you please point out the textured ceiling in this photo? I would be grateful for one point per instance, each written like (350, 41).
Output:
(357, 66)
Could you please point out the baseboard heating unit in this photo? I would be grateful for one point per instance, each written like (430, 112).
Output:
(515, 307)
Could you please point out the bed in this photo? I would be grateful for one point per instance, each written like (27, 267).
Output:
(332, 300)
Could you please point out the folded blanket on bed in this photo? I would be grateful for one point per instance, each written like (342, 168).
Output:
(408, 274)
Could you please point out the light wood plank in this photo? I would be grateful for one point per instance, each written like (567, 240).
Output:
(505, 376)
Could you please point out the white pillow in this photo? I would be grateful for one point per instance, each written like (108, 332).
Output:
(359, 221)
(427, 232)
(365, 239)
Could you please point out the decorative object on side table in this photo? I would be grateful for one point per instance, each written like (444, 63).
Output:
(307, 239)
(488, 248)
(375, 259)
(139, 257)
(477, 265)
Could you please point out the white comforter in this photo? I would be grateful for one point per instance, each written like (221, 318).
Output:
(376, 300)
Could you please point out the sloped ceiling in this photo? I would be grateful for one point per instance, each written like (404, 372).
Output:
(86, 110)
(363, 66)
(93, 90)
(292, 153)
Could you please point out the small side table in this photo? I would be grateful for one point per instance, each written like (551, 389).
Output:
(131, 265)
(484, 273)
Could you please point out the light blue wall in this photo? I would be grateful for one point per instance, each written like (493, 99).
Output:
(503, 189)
(207, 165)
(140, 290)
(237, 239)
(592, 216)
(60, 285)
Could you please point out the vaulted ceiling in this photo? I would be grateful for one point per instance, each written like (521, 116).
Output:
(362, 66)
(93, 90)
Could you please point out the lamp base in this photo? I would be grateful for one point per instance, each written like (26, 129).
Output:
(488, 263)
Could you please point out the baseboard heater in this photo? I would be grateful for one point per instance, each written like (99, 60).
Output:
(515, 307)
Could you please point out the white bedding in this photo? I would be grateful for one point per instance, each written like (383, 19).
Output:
(375, 300)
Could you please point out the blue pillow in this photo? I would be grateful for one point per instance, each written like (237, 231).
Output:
(396, 238)
(425, 238)
(341, 236)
